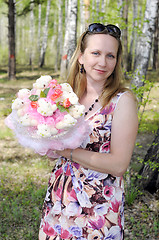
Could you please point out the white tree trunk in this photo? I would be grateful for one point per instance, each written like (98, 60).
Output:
(82, 18)
(59, 37)
(45, 36)
(70, 36)
(133, 35)
(31, 35)
(39, 28)
(145, 42)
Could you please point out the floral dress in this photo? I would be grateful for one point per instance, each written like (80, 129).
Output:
(81, 203)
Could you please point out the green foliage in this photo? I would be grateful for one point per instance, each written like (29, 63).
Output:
(61, 108)
(34, 98)
(131, 194)
(148, 123)
(148, 120)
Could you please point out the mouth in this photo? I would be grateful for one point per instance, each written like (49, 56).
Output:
(100, 71)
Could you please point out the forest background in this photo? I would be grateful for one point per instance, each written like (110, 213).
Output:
(38, 37)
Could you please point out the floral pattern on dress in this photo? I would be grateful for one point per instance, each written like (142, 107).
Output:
(81, 203)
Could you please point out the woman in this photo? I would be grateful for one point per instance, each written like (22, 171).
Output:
(85, 195)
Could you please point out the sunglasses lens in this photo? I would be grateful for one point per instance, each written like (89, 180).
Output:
(96, 27)
(113, 29)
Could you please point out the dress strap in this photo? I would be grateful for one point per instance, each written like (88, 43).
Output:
(115, 99)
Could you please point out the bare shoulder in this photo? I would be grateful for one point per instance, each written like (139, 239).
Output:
(127, 100)
(126, 109)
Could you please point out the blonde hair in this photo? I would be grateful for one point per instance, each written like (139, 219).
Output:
(78, 80)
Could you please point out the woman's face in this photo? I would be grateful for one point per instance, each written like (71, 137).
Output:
(100, 56)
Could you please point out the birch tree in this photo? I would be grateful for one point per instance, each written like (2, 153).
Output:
(125, 35)
(145, 43)
(31, 34)
(59, 36)
(133, 35)
(39, 27)
(45, 36)
(70, 36)
(82, 18)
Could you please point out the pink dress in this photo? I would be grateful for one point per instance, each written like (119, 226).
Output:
(81, 203)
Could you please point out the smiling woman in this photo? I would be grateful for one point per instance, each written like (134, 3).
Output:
(85, 197)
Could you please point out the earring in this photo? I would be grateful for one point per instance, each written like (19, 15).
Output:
(82, 68)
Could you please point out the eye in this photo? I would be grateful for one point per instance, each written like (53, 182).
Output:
(111, 55)
(95, 53)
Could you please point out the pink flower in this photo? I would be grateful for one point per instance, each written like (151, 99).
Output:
(65, 234)
(53, 83)
(106, 147)
(72, 196)
(58, 193)
(115, 205)
(97, 224)
(66, 103)
(49, 230)
(57, 93)
(58, 172)
(50, 121)
(108, 192)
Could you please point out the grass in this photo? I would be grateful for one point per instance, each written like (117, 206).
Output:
(24, 175)
(22, 190)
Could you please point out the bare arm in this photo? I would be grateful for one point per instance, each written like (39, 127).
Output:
(123, 135)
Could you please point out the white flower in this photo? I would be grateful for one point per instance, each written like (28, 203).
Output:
(56, 209)
(83, 199)
(67, 122)
(45, 130)
(72, 209)
(101, 209)
(24, 93)
(27, 121)
(81, 221)
(77, 110)
(46, 108)
(42, 82)
(66, 87)
(17, 104)
(72, 97)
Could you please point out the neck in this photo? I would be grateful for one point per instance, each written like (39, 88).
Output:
(94, 90)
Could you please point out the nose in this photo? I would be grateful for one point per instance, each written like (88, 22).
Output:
(102, 61)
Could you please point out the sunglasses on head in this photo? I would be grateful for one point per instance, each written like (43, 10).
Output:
(98, 27)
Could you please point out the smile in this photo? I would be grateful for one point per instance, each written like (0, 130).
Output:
(100, 71)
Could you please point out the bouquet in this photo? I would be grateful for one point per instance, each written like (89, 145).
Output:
(48, 117)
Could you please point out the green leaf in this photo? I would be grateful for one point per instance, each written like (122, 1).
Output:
(34, 98)
(61, 108)
(43, 94)
(46, 91)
